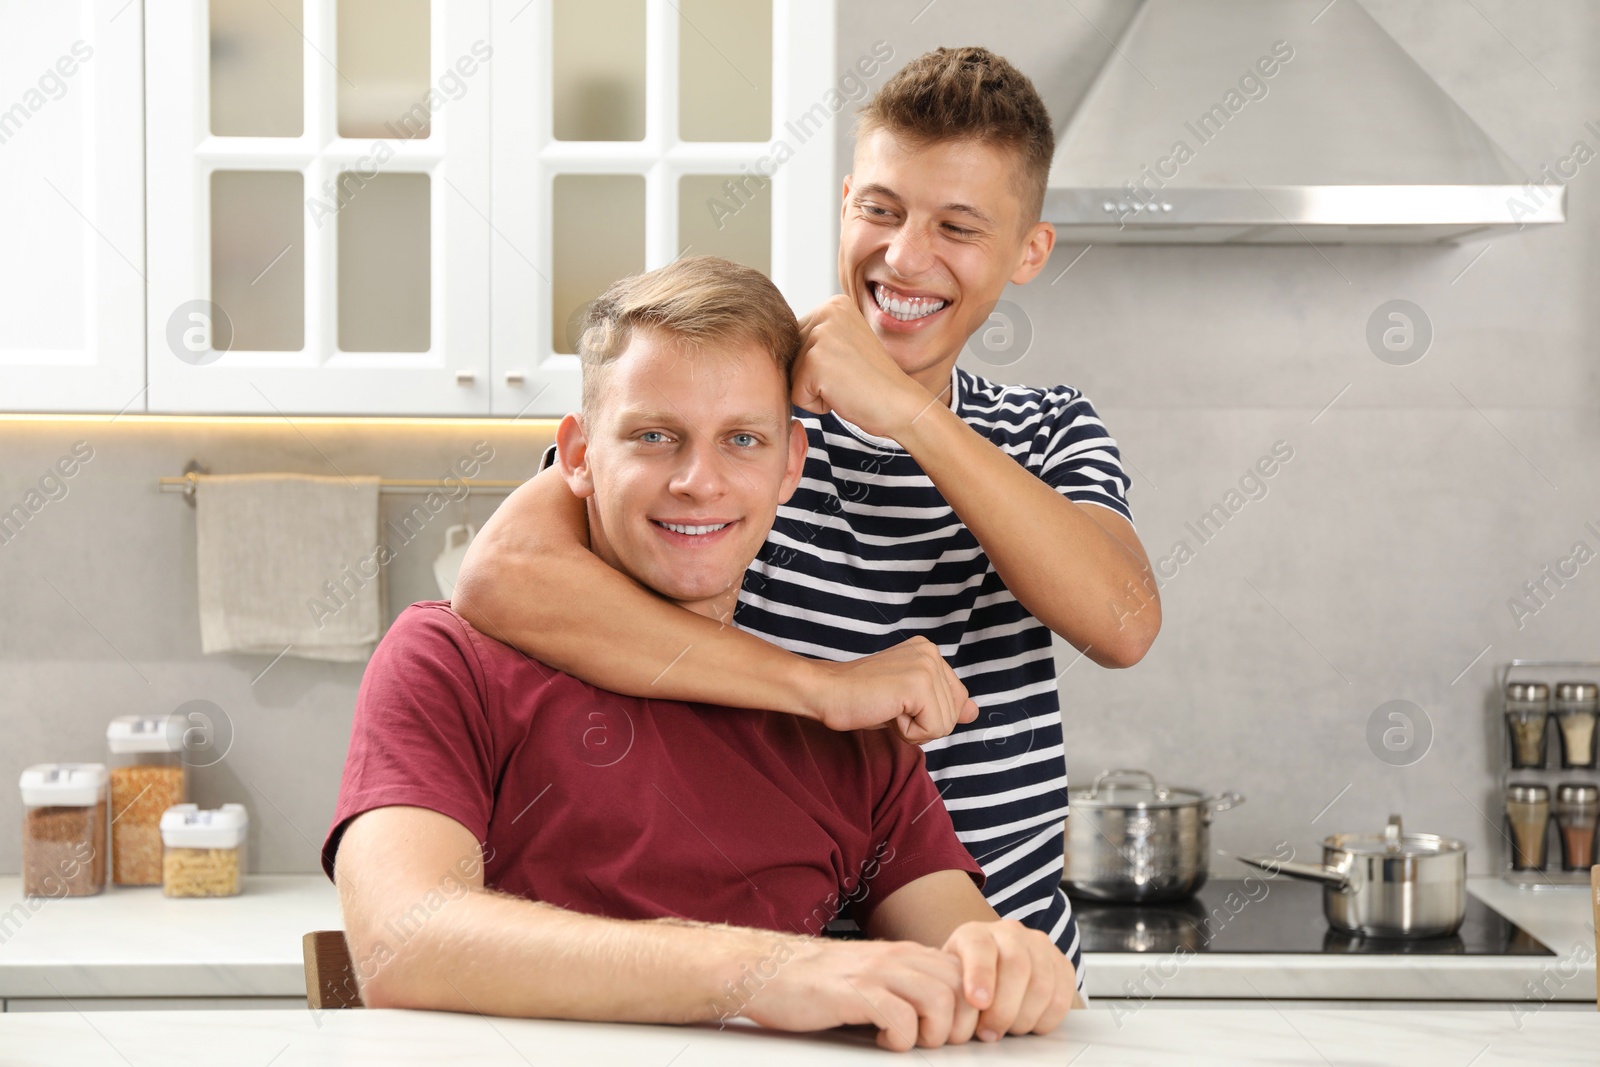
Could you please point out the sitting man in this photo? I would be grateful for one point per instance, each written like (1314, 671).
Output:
(512, 841)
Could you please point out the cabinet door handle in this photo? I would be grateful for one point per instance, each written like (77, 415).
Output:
(465, 377)
(514, 377)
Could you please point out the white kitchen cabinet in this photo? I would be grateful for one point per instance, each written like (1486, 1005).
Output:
(661, 128)
(72, 257)
(319, 212)
(306, 206)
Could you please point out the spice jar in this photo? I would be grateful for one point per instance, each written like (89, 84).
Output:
(203, 853)
(1527, 710)
(148, 776)
(1577, 811)
(1577, 705)
(1528, 812)
(63, 829)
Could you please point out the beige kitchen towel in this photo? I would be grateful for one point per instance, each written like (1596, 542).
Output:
(289, 565)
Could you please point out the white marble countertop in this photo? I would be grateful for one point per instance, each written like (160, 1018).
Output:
(135, 942)
(1560, 917)
(1088, 1038)
(138, 943)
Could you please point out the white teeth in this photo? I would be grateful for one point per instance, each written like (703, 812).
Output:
(907, 308)
(693, 531)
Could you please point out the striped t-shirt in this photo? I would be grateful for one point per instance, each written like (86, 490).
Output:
(867, 554)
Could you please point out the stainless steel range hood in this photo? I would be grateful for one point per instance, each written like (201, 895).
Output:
(1278, 121)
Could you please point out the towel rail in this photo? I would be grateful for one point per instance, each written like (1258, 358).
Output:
(189, 481)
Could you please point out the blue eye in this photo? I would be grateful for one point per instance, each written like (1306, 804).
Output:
(651, 437)
(744, 440)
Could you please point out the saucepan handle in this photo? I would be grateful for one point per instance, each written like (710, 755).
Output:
(1315, 872)
(1223, 801)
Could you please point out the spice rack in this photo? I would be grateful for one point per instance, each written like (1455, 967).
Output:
(1549, 772)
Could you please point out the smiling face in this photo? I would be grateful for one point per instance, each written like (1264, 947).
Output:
(684, 461)
(929, 237)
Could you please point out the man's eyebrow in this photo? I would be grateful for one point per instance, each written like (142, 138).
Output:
(762, 418)
(633, 415)
(875, 189)
(968, 209)
(642, 415)
(884, 191)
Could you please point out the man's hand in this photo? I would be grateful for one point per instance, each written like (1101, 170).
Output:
(843, 367)
(1016, 976)
(910, 992)
(909, 687)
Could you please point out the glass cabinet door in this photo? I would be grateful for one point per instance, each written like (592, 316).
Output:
(630, 132)
(319, 214)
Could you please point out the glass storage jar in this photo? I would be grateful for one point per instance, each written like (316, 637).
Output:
(1528, 813)
(1527, 707)
(1577, 810)
(63, 829)
(203, 851)
(1577, 705)
(148, 776)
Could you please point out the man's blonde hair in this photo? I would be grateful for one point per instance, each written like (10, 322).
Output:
(699, 301)
(968, 94)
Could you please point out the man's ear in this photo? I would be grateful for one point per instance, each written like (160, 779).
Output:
(1035, 252)
(572, 456)
(796, 461)
(844, 197)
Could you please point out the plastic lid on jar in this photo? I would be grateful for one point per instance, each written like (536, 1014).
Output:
(63, 784)
(188, 826)
(145, 733)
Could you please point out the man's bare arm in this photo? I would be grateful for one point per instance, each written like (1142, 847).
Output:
(424, 933)
(530, 581)
(1078, 568)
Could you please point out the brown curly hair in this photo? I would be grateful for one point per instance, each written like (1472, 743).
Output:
(970, 93)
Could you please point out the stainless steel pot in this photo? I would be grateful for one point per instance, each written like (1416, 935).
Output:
(1130, 838)
(1391, 884)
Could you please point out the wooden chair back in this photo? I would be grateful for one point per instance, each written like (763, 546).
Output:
(330, 975)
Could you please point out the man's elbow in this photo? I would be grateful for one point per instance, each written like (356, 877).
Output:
(1132, 637)
(486, 595)
(473, 595)
(1124, 654)
(387, 980)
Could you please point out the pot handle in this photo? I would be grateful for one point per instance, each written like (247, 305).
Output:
(1314, 872)
(1111, 778)
(1223, 801)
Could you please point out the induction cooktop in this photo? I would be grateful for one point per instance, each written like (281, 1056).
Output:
(1278, 915)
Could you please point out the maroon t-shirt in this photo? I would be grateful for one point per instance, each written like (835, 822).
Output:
(637, 809)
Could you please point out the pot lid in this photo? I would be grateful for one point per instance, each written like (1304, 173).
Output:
(1132, 789)
(1393, 841)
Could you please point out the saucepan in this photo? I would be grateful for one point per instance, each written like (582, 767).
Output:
(1131, 839)
(1389, 884)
